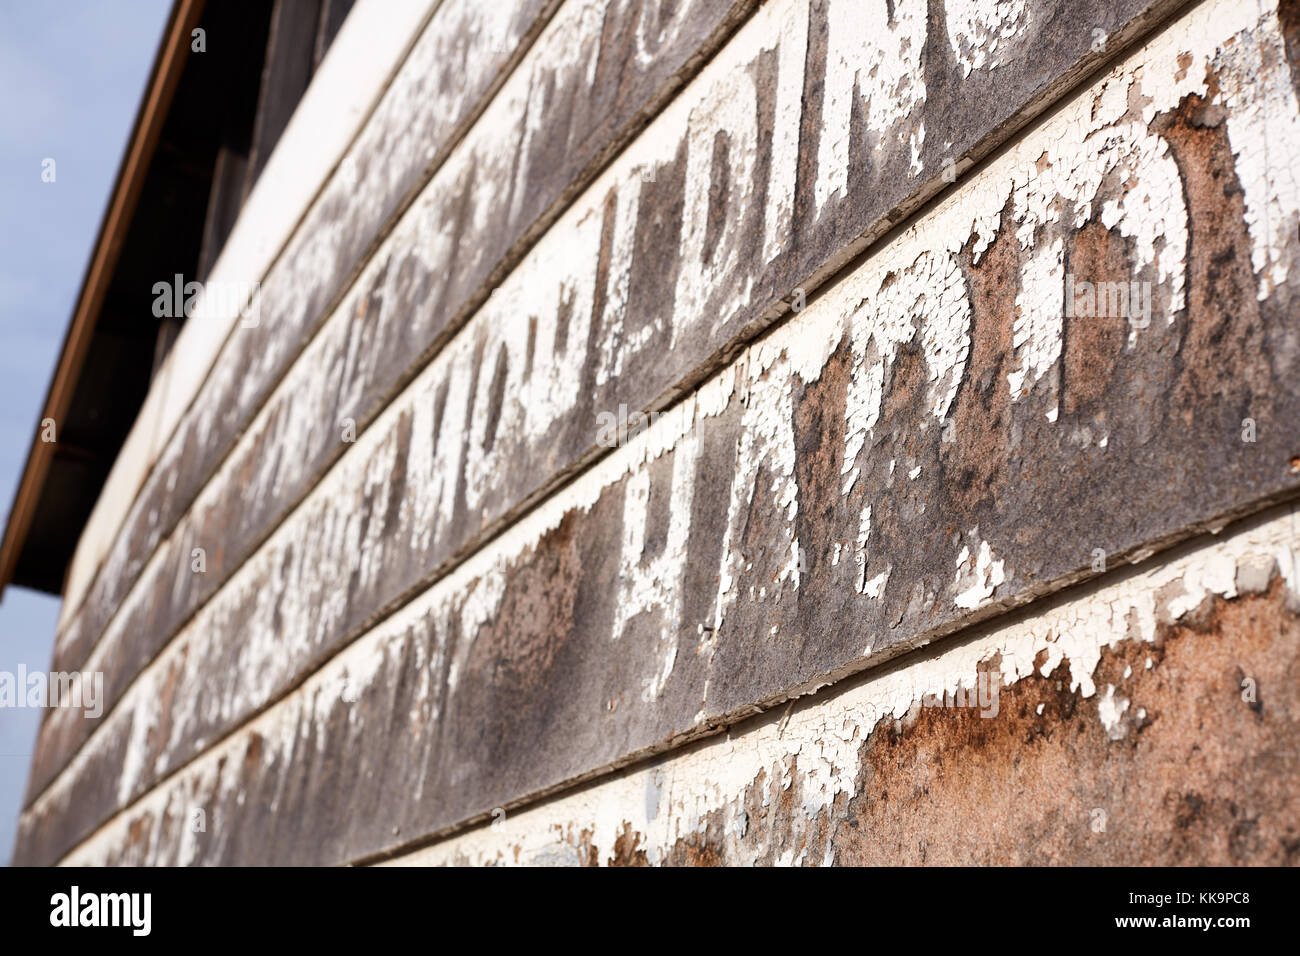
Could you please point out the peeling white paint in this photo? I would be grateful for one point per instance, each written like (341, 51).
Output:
(411, 126)
(656, 584)
(1111, 708)
(981, 576)
(913, 287)
(339, 101)
(979, 30)
(825, 737)
(872, 62)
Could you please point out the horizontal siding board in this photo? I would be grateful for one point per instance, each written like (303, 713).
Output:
(368, 52)
(664, 592)
(653, 329)
(1134, 679)
(455, 64)
(574, 97)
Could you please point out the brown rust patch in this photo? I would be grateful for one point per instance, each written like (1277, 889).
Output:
(1224, 353)
(1093, 344)
(628, 849)
(1199, 776)
(975, 461)
(819, 429)
(696, 850)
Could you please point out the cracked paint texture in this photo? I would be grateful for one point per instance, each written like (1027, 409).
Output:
(760, 611)
(514, 418)
(886, 768)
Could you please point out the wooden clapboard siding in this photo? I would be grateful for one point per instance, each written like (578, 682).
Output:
(342, 95)
(601, 109)
(663, 593)
(397, 310)
(456, 65)
(273, 467)
(1001, 748)
(862, 772)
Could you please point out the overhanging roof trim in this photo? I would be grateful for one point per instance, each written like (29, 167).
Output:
(154, 105)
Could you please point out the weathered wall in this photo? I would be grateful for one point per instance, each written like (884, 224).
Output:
(829, 243)
(1120, 736)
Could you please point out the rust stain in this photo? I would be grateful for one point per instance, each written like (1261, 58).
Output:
(1200, 774)
(627, 850)
(1092, 345)
(1224, 353)
(975, 461)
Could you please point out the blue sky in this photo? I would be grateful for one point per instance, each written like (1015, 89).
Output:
(71, 77)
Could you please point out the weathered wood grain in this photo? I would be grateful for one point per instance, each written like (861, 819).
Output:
(346, 368)
(798, 518)
(1108, 728)
(335, 108)
(453, 67)
(1138, 681)
(573, 100)
(621, 306)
